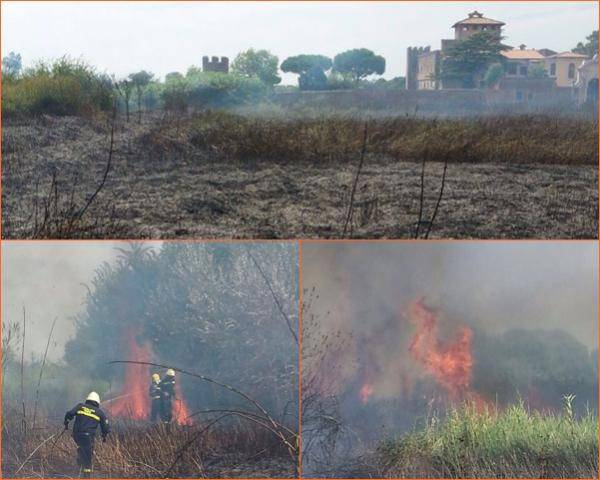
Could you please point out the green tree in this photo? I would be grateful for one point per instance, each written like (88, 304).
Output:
(359, 63)
(494, 72)
(310, 68)
(396, 83)
(205, 307)
(589, 48)
(466, 61)
(257, 63)
(537, 70)
(140, 81)
(173, 76)
(125, 88)
(11, 65)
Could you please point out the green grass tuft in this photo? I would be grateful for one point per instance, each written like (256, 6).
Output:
(514, 442)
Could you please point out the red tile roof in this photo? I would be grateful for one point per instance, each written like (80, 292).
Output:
(476, 18)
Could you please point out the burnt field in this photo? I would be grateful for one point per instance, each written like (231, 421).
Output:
(148, 451)
(219, 175)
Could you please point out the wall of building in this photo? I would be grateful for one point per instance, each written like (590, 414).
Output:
(428, 69)
(425, 102)
(562, 70)
(412, 65)
(587, 82)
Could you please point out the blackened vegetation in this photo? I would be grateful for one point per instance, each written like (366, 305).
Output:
(217, 174)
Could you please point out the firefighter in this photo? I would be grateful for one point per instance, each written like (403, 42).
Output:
(87, 417)
(167, 389)
(155, 397)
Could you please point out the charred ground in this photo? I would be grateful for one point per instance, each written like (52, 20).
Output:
(216, 174)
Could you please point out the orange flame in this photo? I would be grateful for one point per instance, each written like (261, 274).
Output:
(365, 392)
(449, 362)
(133, 402)
(180, 409)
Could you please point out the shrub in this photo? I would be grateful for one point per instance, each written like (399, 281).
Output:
(211, 89)
(65, 87)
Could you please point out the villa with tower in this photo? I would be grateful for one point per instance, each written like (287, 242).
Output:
(528, 72)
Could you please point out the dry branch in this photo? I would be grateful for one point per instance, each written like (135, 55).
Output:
(277, 302)
(37, 391)
(437, 205)
(354, 185)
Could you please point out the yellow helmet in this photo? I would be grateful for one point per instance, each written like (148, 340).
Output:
(155, 377)
(170, 372)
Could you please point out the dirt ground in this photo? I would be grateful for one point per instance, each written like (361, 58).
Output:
(184, 194)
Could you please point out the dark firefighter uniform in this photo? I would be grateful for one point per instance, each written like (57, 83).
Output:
(155, 393)
(167, 387)
(87, 417)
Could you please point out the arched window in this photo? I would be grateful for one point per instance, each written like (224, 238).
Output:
(553, 69)
(571, 70)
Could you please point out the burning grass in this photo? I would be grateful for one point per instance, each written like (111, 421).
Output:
(514, 442)
(139, 450)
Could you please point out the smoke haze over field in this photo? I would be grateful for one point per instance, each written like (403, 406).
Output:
(122, 37)
(495, 286)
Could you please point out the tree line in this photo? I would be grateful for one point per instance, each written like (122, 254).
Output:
(70, 87)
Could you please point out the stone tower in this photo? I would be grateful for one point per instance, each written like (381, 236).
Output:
(412, 66)
(215, 65)
(476, 23)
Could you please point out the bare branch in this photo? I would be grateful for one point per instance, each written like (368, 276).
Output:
(279, 306)
(354, 185)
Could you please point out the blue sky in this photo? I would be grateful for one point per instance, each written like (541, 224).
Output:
(121, 37)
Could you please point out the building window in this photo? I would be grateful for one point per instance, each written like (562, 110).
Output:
(553, 69)
(512, 69)
(519, 96)
(571, 70)
(530, 96)
(523, 70)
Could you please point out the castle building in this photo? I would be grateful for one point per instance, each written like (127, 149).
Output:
(423, 64)
(214, 64)
(560, 70)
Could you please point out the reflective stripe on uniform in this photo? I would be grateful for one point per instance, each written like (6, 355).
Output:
(88, 412)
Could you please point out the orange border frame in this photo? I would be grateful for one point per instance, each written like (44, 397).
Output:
(299, 242)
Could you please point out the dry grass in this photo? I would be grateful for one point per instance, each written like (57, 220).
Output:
(217, 174)
(234, 448)
(502, 139)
